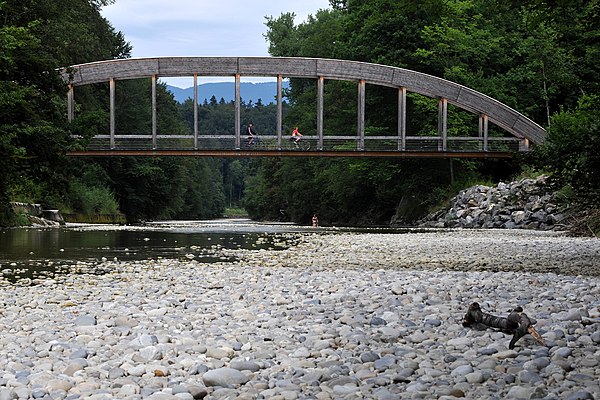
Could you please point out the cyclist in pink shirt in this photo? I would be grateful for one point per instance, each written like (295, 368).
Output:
(296, 135)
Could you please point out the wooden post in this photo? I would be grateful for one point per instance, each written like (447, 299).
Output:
(238, 125)
(279, 110)
(443, 124)
(402, 119)
(483, 131)
(320, 89)
(154, 141)
(195, 111)
(112, 112)
(480, 133)
(361, 115)
(71, 104)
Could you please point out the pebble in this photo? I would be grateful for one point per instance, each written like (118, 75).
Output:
(339, 315)
(224, 377)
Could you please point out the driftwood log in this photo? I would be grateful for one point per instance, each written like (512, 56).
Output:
(517, 323)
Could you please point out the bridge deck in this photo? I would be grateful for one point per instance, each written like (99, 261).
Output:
(308, 146)
(288, 153)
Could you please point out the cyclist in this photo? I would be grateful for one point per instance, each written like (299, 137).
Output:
(296, 135)
(251, 133)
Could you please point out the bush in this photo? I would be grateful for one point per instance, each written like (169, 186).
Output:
(92, 200)
(571, 153)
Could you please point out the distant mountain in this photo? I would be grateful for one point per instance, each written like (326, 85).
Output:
(266, 91)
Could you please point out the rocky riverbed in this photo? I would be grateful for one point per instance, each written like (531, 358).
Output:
(525, 204)
(336, 316)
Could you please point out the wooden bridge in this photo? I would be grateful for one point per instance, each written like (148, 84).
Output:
(519, 131)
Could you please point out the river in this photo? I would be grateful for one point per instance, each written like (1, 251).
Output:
(28, 253)
(284, 311)
(32, 252)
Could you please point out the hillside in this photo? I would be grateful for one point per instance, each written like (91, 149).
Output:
(266, 91)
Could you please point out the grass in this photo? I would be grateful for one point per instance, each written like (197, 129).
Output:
(235, 212)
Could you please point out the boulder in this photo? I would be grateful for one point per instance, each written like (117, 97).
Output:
(37, 216)
(525, 204)
(54, 216)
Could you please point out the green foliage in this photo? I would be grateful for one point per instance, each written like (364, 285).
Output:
(25, 191)
(36, 38)
(92, 200)
(282, 35)
(540, 60)
(528, 171)
(571, 151)
(235, 212)
(521, 54)
(345, 191)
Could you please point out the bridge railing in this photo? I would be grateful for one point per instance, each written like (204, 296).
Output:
(270, 142)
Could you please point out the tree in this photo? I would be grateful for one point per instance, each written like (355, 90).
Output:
(570, 153)
(36, 38)
(30, 142)
(513, 52)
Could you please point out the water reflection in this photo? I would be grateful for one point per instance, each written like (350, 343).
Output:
(30, 252)
(39, 252)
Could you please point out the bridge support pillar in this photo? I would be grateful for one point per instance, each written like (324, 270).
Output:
(238, 124)
(483, 132)
(361, 114)
(279, 110)
(320, 89)
(111, 85)
(71, 103)
(195, 111)
(154, 141)
(402, 118)
(443, 124)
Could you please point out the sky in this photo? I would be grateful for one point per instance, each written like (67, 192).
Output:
(227, 28)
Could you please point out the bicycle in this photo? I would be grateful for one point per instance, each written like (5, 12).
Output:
(299, 144)
(256, 143)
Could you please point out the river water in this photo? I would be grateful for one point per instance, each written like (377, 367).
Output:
(32, 252)
(29, 253)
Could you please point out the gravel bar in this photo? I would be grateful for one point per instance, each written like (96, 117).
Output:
(335, 316)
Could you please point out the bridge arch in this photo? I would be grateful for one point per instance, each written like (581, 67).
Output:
(488, 109)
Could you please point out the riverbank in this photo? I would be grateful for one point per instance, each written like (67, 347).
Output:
(340, 315)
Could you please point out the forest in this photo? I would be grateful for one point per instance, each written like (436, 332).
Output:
(539, 57)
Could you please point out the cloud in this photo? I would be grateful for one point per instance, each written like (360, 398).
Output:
(201, 27)
(227, 28)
